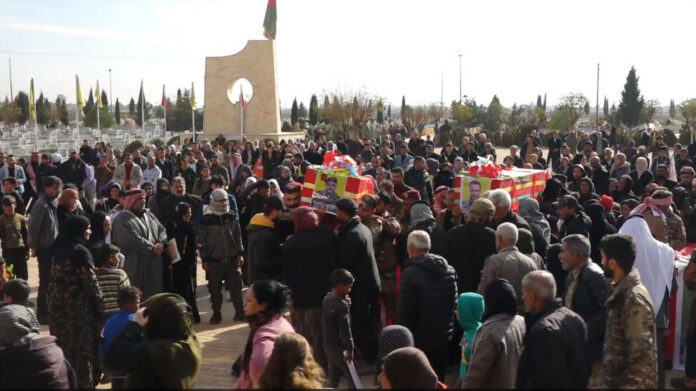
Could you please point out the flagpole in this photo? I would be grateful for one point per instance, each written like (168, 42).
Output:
(164, 105)
(77, 105)
(193, 123)
(241, 112)
(98, 100)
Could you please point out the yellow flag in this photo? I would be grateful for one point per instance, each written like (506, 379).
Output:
(32, 107)
(99, 101)
(193, 98)
(80, 100)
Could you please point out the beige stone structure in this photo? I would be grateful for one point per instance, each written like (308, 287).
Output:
(256, 63)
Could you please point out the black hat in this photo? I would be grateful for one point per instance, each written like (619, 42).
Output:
(567, 201)
(347, 205)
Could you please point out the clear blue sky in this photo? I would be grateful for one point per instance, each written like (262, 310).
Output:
(516, 49)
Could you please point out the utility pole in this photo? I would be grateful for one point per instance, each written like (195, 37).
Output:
(111, 102)
(11, 92)
(597, 102)
(460, 79)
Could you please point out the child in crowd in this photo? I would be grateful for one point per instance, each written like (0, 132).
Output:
(338, 340)
(128, 302)
(15, 291)
(469, 312)
(13, 234)
(110, 278)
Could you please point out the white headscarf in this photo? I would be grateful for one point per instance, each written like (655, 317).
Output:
(654, 260)
(275, 191)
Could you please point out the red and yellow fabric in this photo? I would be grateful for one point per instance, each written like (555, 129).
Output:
(520, 183)
(347, 186)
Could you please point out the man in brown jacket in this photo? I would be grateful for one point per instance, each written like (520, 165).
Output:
(509, 263)
(630, 355)
(103, 172)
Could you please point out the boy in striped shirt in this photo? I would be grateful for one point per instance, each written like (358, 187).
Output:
(110, 279)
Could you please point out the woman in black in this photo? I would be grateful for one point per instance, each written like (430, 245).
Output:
(101, 228)
(161, 192)
(600, 228)
(183, 272)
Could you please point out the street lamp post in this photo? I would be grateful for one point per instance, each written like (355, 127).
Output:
(111, 102)
(460, 78)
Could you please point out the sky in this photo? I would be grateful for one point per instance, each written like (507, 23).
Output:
(516, 49)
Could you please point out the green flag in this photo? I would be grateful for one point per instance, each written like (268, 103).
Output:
(269, 22)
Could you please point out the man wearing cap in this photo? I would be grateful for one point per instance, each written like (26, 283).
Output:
(574, 220)
(384, 229)
(469, 244)
(142, 239)
(686, 178)
(661, 158)
(73, 170)
(356, 254)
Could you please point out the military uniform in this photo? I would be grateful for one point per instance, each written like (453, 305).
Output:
(384, 230)
(630, 355)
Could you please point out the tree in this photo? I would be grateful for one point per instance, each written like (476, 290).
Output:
(586, 109)
(544, 105)
(403, 106)
(43, 110)
(293, 112)
(11, 113)
(380, 112)
(514, 117)
(139, 110)
(61, 112)
(563, 118)
(22, 101)
(302, 111)
(117, 112)
(494, 114)
(131, 107)
(313, 110)
(688, 110)
(647, 112)
(605, 109)
(350, 110)
(574, 105)
(105, 119)
(179, 114)
(105, 101)
(672, 109)
(631, 100)
(89, 104)
(539, 104)
(463, 114)
(389, 111)
(614, 115)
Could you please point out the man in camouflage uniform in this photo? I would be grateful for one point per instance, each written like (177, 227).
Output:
(630, 355)
(384, 229)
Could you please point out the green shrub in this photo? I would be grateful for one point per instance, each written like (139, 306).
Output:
(132, 147)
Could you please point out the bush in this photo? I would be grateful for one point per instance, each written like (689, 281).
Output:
(173, 140)
(685, 138)
(504, 139)
(157, 142)
(132, 147)
(670, 137)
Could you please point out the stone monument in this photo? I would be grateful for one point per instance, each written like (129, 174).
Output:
(261, 115)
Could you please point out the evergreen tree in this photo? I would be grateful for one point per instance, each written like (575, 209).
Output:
(302, 111)
(389, 111)
(179, 97)
(539, 104)
(117, 112)
(324, 108)
(403, 105)
(105, 101)
(544, 102)
(22, 101)
(672, 109)
(631, 100)
(105, 119)
(494, 113)
(293, 112)
(89, 104)
(606, 108)
(614, 115)
(139, 110)
(313, 110)
(587, 108)
(380, 112)
(131, 107)
(43, 110)
(62, 110)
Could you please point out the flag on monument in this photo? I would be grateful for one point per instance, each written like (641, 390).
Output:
(165, 104)
(269, 22)
(193, 98)
(99, 101)
(241, 97)
(80, 100)
(32, 107)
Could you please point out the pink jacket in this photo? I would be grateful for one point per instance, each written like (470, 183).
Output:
(261, 350)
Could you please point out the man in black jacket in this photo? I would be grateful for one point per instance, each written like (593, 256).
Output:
(73, 170)
(427, 295)
(264, 244)
(164, 164)
(355, 253)
(600, 176)
(417, 177)
(554, 345)
(574, 220)
(586, 294)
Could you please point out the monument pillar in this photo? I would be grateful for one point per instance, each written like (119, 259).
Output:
(222, 115)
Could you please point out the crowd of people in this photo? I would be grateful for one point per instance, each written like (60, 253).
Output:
(567, 290)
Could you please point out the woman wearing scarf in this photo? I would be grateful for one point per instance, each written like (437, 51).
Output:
(183, 273)
(529, 210)
(498, 343)
(577, 173)
(285, 177)
(422, 219)
(265, 303)
(600, 228)
(641, 176)
(587, 191)
(73, 299)
(624, 189)
(161, 192)
(552, 191)
(470, 308)
(68, 205)
(101, 232)
(159, 348)
(525, 244)
(111, 200)
(655, 264)
(275, 189)
(626, 207)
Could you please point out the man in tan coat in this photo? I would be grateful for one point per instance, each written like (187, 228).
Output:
(509, 263)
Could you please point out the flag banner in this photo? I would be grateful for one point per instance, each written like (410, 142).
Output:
(32, 104)
(193, 98)
(519, 182)
(99, 100)
(269, 21)
(80, 100)
(165, 104)
(324, 186)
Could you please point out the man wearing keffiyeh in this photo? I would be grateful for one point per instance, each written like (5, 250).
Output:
(665, 225)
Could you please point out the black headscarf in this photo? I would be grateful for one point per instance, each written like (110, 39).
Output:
(72, 230)
(160, 194)
(499, 298)
(550, 194)
(97, 222)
